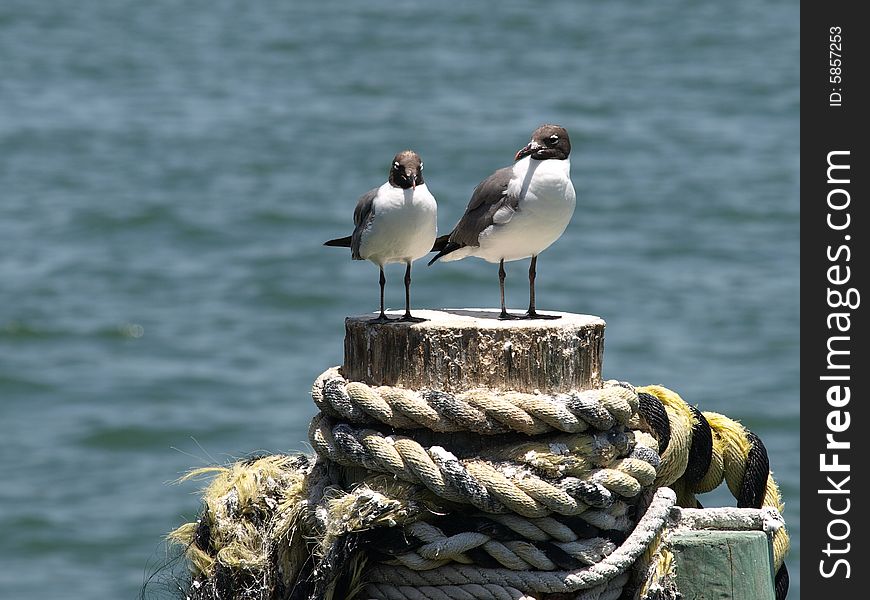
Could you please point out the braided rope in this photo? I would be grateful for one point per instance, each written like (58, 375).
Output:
(612, 590)
(539, 530)
(647, 529)
(480, 411)
(439, 549)
(454, 592)
(483, 484)
(475, 507)
(702, 450)
(698, 454)
(736, 456)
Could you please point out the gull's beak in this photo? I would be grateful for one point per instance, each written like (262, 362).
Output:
(528, 149)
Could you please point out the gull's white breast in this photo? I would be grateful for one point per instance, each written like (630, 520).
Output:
(404, 225)
(546, 205)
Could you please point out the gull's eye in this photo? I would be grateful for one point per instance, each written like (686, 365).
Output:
(396, 165)
(552, 139)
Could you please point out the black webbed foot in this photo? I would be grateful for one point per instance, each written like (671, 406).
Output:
(382, 318)
(409, 318)
(536, 315)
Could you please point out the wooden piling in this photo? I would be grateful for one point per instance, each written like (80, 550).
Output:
(460, 349)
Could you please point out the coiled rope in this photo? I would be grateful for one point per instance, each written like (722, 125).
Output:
(480, 494)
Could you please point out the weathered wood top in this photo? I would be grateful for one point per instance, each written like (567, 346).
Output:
(460, 349)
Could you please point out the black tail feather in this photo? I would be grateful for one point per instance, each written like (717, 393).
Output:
(339, 242)
(440, 243)
(446, 248)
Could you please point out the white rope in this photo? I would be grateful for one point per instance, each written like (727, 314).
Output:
(648, 528)
(452, 592)
(766, 519)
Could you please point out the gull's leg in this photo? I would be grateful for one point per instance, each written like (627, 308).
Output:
(382, 318)
(533, 314)
(501, 275)
(408, 318)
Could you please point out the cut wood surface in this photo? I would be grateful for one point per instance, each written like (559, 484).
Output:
(461, 349)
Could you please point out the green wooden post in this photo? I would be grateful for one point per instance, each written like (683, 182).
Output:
(723, 565)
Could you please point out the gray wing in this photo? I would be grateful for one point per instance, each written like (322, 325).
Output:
(362, 216)
(490, 204)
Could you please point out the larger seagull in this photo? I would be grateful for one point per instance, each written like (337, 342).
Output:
(518, 211)
(395, 222)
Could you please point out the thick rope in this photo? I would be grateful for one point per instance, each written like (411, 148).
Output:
(438, 549)
(481, 411)
(456, 592)
(735, 455)
(612, 590)
(649, 526)
(446, 496)
(487, 486)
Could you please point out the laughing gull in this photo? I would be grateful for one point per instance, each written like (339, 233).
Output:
(396, 222)
(518, 211)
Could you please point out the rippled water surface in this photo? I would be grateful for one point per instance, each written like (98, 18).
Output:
(168, 171)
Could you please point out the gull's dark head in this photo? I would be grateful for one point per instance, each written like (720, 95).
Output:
(406, 170)
(548, 141)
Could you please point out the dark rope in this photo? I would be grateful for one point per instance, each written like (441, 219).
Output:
(754, 485)
(701, 451)
(653, 412)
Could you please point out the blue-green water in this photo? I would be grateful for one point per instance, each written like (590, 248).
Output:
(168, 171)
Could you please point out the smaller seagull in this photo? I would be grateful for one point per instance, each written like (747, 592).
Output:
(518, 211)
(395, 223)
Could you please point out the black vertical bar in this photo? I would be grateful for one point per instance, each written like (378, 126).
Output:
(835, 445)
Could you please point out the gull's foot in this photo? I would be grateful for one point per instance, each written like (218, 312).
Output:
(536, 315)
(408, 318)
(506, 316)
(382, 318)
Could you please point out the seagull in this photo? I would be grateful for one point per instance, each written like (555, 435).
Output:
(518, 211)
(395, 223)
